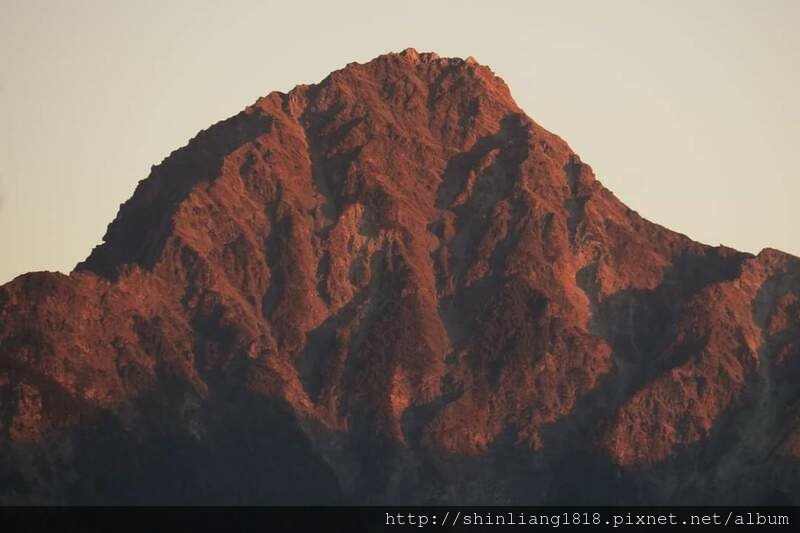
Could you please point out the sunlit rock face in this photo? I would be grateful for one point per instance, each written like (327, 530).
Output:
(395, 287)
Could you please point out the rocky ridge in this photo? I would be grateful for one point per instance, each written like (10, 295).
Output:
(395, 287)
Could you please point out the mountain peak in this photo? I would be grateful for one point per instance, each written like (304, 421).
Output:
(389, 271)
(412, 55)
(426, 66)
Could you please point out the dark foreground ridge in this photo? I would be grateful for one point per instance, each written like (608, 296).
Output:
(395, 287)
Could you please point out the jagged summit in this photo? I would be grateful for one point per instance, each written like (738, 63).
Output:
(394, 286)
(401, 92)
(412, 55)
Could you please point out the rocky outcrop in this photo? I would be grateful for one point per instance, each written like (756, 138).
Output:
(395, 287)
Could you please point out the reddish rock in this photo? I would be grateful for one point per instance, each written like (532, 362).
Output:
(394, 287)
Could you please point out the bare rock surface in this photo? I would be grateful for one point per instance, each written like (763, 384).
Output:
(395, 287)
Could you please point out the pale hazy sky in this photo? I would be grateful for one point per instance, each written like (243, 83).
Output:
(687, 110)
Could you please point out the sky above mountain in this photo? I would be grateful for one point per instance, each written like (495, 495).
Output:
(686, 111)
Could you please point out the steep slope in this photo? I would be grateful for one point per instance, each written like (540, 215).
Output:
(393, 286)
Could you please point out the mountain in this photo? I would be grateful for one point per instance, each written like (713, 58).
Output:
(395, 287)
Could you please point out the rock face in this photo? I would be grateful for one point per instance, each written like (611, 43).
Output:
(395, 287)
